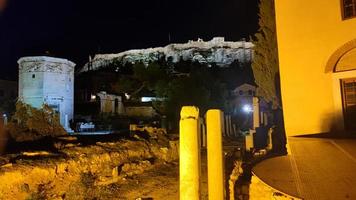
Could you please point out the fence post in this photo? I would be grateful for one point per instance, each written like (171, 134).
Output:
(189, 154)
(215, 125)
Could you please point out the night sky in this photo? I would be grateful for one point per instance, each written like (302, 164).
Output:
(73, 29)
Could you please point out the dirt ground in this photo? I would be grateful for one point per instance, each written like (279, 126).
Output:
(161, 182)
(136, 167)
(139, 166)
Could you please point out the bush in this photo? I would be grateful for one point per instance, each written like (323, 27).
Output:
(29, 123)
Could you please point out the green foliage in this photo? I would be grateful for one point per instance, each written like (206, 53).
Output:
(201, 88)
(142, 77)
(126, 84)
(266, 69)
(29, 123)
(265, 63)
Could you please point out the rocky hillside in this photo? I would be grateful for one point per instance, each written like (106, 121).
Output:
(216, 51)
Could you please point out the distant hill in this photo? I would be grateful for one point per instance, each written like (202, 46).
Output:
(216, 51)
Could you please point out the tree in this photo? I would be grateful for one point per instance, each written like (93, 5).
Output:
(201, 88)
(266, 69)
(199, 85)
(265, 62)
(142, 77)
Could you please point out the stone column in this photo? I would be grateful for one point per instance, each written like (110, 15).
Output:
(215, 121)
(256, 113)
(226, 126)
(189, 153)
(5, 119)
(202, 132)
(249, 144)
(269, 140)
(234, 130)
(229, 125)
(265, 117)
(223, 133)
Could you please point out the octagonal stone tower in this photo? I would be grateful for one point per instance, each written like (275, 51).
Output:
(48, 80)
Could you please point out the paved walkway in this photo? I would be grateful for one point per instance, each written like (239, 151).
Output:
(318, 169)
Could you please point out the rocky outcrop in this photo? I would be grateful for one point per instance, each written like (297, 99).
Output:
(217, 51)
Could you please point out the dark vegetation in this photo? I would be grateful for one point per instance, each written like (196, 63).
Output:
(8, 106)
(175, 84)
(266, 69)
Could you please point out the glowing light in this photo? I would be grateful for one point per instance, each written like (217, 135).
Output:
(93, 97)
(247, 109)
(127, 96)
(147, 99)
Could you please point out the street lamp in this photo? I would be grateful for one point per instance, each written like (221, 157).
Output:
(247, 108)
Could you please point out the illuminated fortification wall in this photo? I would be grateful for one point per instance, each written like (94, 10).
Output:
(309, 33)
(47, 80)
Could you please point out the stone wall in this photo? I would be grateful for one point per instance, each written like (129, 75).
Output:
(110, 103)
(258, 190)
(140, 111)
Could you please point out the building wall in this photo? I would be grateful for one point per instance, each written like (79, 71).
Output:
(140, 111)
(47, 80)
(246, 90)
(31, 89)
(107, 103)
(309, 32)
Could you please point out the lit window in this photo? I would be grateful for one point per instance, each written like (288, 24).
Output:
(348, 8)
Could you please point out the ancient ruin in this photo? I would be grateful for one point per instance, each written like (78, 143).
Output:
(48, 80)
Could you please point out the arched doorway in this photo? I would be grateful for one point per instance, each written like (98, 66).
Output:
(348, 88)
(343, 66)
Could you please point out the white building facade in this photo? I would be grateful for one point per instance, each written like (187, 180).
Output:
(48, 80)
